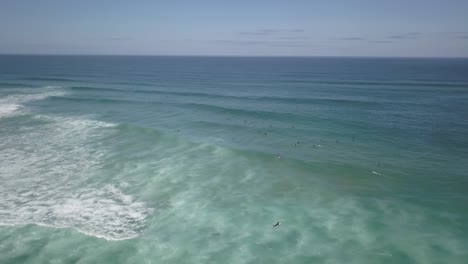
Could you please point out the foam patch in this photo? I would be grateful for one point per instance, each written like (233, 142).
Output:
(8, 109)
(48, 178)
(11, 103)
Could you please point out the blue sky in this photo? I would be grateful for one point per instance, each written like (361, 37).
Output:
(414, 28)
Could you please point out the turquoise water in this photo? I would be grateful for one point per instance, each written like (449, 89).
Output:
(193, 159)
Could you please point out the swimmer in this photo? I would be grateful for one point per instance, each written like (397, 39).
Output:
(277, 224)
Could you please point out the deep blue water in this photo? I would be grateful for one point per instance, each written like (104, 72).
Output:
(193, 159)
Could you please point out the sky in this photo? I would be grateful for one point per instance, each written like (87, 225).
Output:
(382, 28)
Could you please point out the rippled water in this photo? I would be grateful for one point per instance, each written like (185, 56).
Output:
(193, 159)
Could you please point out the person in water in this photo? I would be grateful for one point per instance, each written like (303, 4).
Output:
(277, 224)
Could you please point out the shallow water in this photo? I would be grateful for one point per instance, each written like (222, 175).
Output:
(193, 159)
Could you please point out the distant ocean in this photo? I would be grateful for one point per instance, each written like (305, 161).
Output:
(121, 159)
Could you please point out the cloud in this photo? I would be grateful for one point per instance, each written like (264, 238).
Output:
(381, 41)
(264, 43)
(262, 32)
(350, 38)
(269, 32)
(408, 35)
(454, 32)
(294, 38)
(457, 34)
(397, 37)
(241, 42)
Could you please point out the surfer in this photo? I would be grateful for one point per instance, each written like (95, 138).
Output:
(277, 224)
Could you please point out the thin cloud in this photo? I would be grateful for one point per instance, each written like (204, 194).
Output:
(457, 34)
(262, 32)
(264, 43)
(397, 37)
(291, 43)
(241, 42)
(269, 32)
(294, 38)
(454, 32)
(408, 35)
(350, 38)
(381, 41)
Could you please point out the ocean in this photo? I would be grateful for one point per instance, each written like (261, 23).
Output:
(160, 159)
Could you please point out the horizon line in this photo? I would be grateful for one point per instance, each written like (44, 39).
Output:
(234, 56)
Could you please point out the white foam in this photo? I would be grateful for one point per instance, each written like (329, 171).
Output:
(380, 174)
(34, 95)
(8, 109)
(47, 179)
(11, 103)
(92, 211)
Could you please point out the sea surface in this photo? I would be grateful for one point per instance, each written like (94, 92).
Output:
(121, 159)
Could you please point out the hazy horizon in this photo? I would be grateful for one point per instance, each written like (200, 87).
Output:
(242, 29)
(232, 56)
